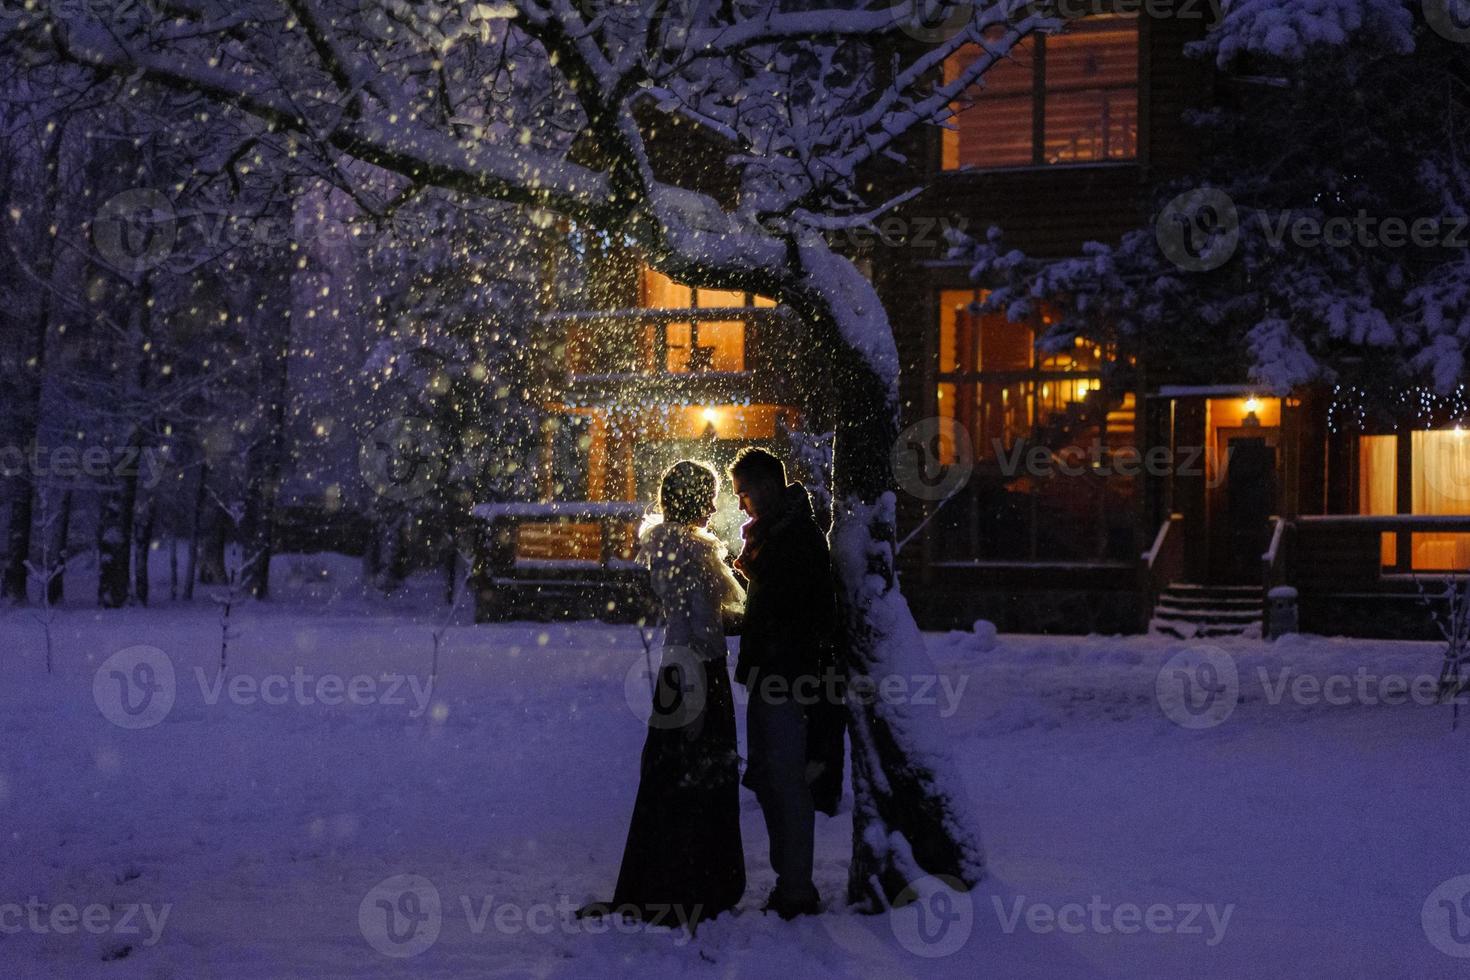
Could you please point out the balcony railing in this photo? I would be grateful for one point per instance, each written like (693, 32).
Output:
(642, 343)
(732, 353)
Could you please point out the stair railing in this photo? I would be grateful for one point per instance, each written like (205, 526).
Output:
(1273, 569)
(1273, 562)
(1163, 564)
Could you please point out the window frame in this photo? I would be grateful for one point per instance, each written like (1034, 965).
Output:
(1037, 45)
(1035, 376)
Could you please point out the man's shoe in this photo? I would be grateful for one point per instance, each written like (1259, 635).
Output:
(788, 907)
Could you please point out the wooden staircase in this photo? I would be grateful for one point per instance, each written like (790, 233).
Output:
(1190, 611)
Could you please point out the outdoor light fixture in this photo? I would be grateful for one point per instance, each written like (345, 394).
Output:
(1252, 406)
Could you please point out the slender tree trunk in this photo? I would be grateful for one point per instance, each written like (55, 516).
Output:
(115, 536)
(56, 588)
(451, 567)
(267, 456)
(142, 546)
(216, 536)
(196, 522)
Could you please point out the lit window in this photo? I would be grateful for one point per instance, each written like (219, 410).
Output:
(1065, 98)
(1439, 480)
(658, 292)
(1010, 388)
(1377, 485)
(1441, 485)
(696, 345)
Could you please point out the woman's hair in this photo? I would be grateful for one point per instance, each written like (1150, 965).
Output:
(687, 492)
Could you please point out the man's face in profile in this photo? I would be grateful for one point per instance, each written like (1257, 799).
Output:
(758, 496)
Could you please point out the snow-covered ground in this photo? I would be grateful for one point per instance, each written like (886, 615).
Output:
(252, 830)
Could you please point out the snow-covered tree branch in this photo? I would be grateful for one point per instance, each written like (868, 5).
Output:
(561, 106)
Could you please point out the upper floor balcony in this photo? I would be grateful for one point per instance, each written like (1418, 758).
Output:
(694, 343)
(1067, 98)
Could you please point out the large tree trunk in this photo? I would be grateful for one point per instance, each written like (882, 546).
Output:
(911, 817)
(32, 385)
(212, 569)
(142, 547)
(18, 539)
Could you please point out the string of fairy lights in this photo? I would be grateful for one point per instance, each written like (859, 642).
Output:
(1353, 410)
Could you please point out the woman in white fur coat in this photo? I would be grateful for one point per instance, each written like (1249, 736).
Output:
(683, 860)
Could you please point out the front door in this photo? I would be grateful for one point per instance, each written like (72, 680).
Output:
(1242, 528)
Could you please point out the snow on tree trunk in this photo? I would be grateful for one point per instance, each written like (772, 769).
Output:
(909, 814)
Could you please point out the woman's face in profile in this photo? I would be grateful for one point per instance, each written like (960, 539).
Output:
(706, 510)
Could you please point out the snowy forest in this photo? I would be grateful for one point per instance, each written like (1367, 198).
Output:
(439, 443)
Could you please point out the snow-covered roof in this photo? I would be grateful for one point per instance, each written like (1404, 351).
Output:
(1214, 391)
(630, 509)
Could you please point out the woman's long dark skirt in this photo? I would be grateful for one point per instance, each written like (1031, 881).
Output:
(683, 860)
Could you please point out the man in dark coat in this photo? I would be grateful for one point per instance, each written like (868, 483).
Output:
(786, 644)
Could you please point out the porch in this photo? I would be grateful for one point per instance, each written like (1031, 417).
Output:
(560, 560)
